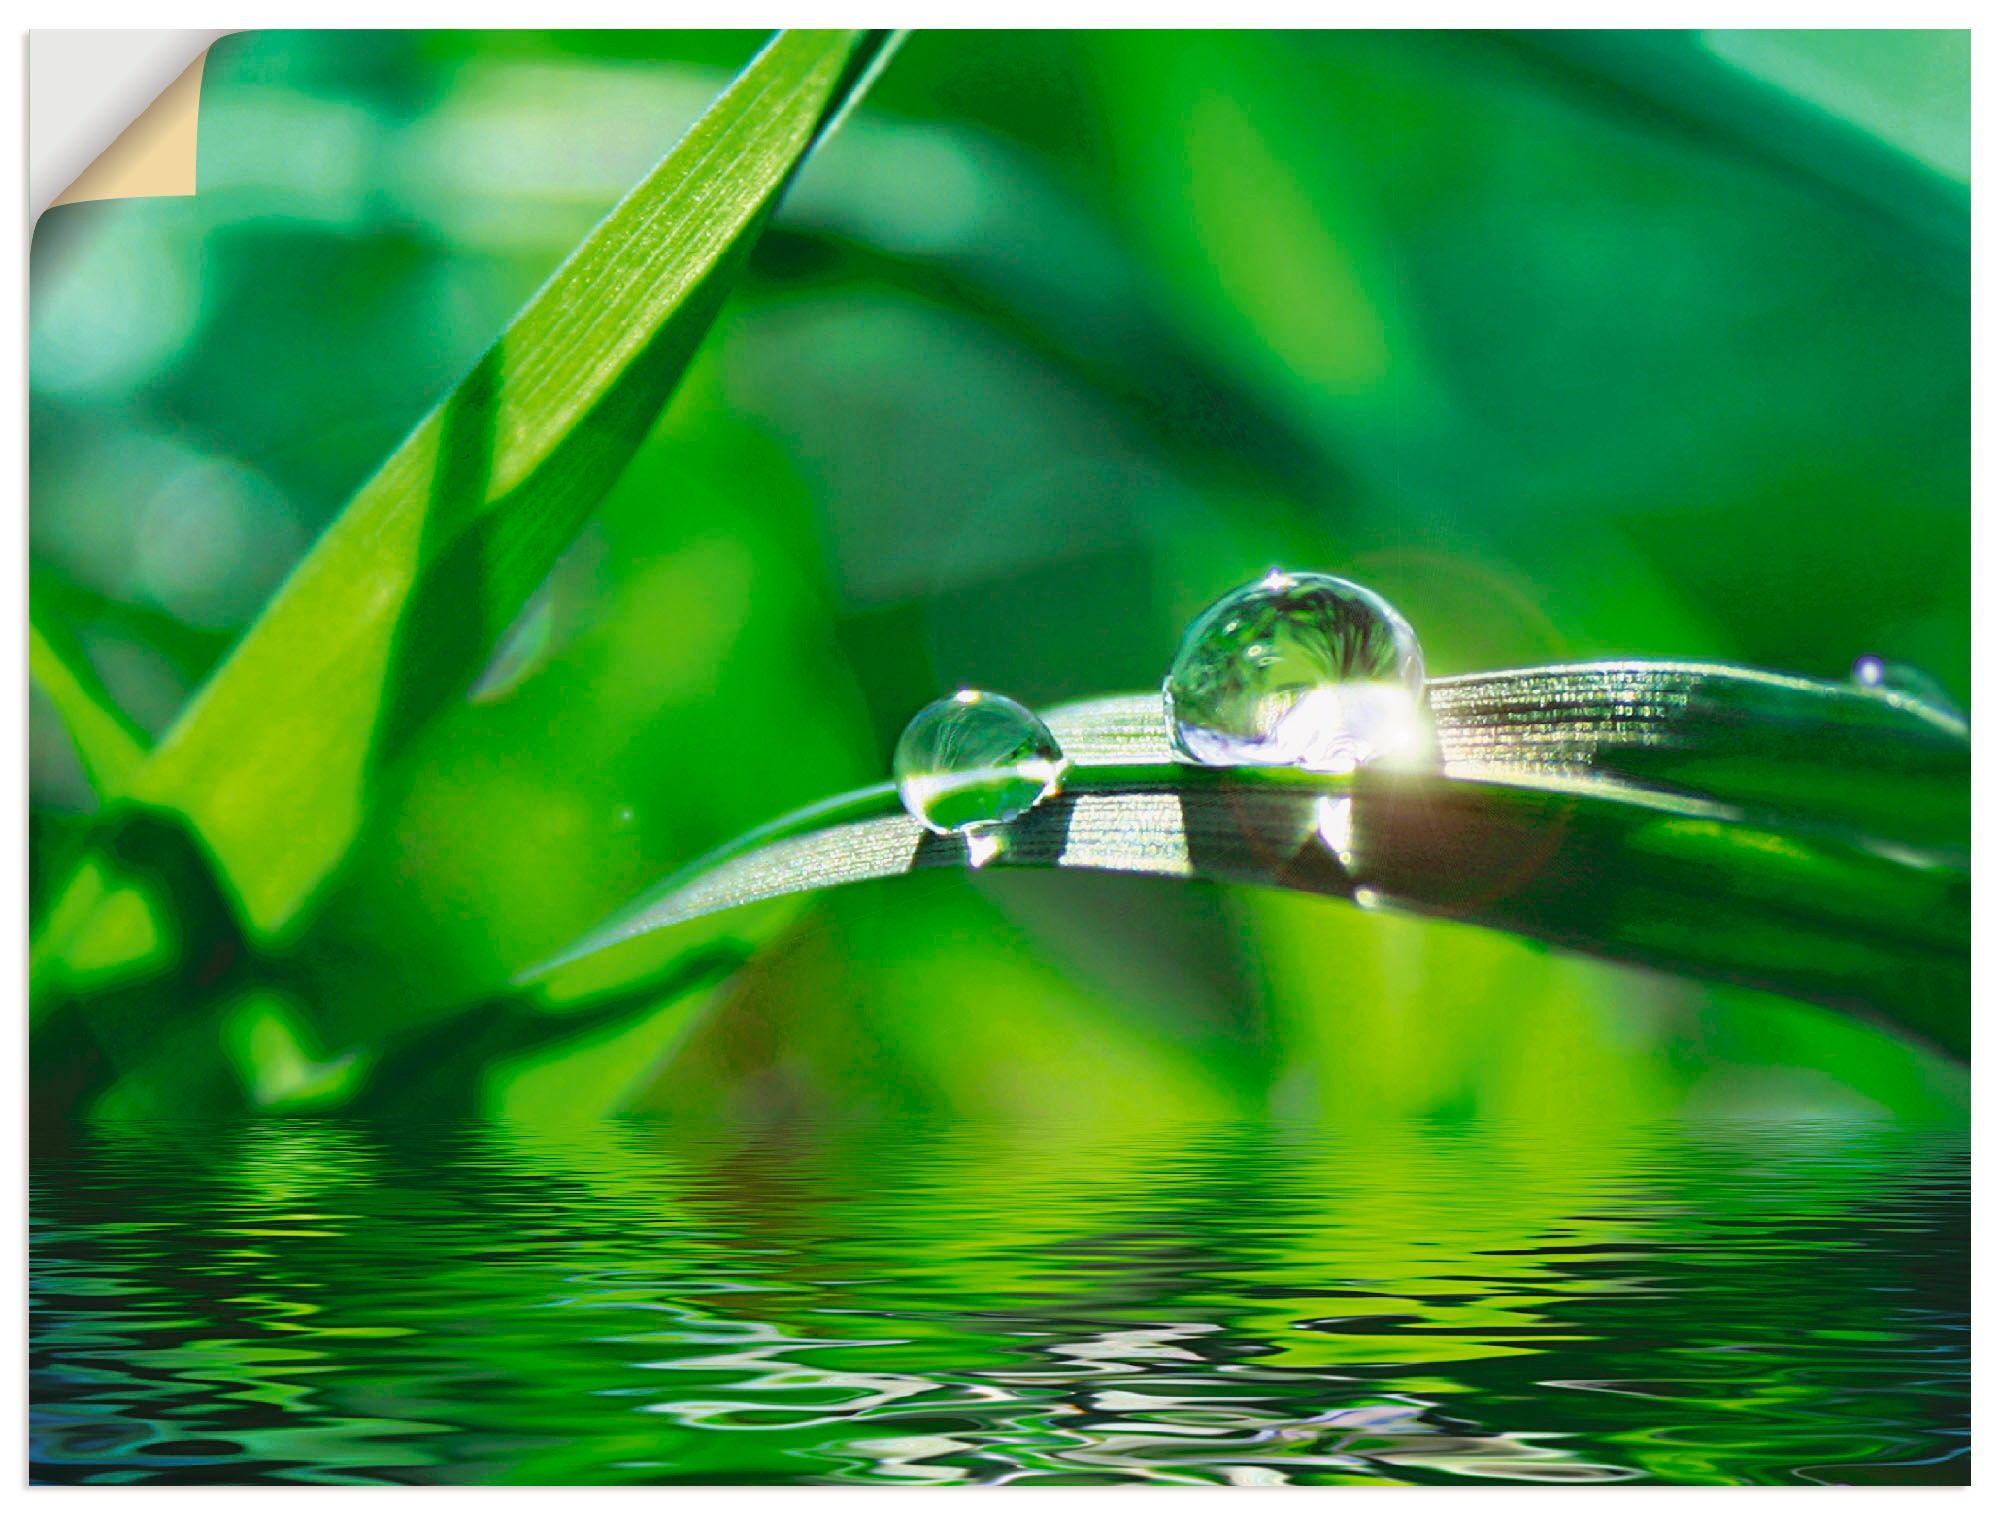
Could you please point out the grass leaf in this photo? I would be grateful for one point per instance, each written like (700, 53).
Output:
(108, 744)
(1684, 77)
(1785, 833)
(394, 610)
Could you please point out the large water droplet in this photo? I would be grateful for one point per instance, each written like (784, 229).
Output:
(1299, 670)
(974, 760)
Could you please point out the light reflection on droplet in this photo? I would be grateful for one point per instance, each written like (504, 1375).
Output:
(1905, 679)
(1334, 814)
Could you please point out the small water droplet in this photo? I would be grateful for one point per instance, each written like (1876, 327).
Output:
(522, 650)
(976, 759)
(1872, 672)
(1299, 670)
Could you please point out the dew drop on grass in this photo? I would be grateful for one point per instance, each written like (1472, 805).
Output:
(976, 760)
(1299, 670)
(1872, 672)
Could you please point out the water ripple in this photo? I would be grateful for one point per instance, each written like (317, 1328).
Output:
(337, 1302)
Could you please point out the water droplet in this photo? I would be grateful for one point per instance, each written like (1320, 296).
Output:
(976, 759)
(521, 651)
(1299, 670)
(1872, 672)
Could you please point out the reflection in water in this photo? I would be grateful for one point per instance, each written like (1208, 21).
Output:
(338, 1302)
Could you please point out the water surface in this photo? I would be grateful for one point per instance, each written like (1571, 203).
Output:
(344, 1302)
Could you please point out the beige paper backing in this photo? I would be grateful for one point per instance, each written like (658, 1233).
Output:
(155, 155)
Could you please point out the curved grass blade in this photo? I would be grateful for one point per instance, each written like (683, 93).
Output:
(1686, 81)
(1654, 813)
(394, 610)
(108, 744)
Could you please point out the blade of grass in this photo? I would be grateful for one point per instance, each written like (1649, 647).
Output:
(1676, 75)
(108, 744)
(393, 611)
(191, 651)
(1644, 812)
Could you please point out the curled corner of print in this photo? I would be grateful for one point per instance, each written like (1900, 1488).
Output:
(85, 83)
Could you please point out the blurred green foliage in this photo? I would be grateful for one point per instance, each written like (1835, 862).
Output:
(1571, 346)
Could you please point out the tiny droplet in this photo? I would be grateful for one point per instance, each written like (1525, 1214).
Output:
(1906, 679)
(522, 650)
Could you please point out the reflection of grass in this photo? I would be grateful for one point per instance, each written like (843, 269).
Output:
(969, 797)
(634, 1300)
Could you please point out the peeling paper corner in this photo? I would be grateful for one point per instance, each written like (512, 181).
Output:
(113, 114)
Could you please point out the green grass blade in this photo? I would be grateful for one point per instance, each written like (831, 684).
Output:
(394, 610)
(1645, 812)
(110, 747)
(1689, 84)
